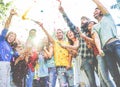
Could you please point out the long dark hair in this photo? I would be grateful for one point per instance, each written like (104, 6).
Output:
(89, 34)
(8, 36)
(69, 40)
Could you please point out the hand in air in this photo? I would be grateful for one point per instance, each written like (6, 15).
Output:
(13, 12)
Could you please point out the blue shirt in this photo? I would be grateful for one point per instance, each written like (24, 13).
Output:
(6, 51)
(51, 62)
(106, 29)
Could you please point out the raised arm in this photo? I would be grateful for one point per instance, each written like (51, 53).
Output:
(85, 37)
(72, 47)
(96, 38)
(8, 21)
(45, 31)
(101, 6)
(67, 20)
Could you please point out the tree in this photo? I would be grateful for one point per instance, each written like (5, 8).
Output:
(116, 6)
(4, 7)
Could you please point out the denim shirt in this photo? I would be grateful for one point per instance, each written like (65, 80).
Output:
(6, 51)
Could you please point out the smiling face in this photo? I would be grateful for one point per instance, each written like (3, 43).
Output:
(32, 33)
(97, 13)
(83, 21)
(90, 25)
(70, 34)
(11, 37)
(45, 41)
(59, 34)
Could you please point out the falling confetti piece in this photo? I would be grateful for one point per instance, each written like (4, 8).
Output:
(34, 1)
(24, 16)
(41, 11)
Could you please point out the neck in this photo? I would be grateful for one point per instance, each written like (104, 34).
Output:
(61, 39)
(99, 18)
(73, 39)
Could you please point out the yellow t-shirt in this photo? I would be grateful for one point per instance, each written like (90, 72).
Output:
(60, 54)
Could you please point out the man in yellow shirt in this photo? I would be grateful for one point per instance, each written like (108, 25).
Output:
(61, 56)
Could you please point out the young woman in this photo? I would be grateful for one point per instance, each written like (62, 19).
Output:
(48, 52)
(73, 49)
(20, 67)
(41, 70)
(6, 52)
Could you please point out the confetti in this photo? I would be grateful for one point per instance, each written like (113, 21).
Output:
(41, 11)
(24, 16)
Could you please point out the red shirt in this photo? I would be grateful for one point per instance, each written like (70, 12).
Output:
(32, 60)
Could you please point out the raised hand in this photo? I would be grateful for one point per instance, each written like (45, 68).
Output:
(59, 1)
(39, 23)
(101, 53)
(61, 9)
(13, 12)
(8, 21)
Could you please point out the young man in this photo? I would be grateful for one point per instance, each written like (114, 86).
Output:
(85, 54)
(32, 57)
(61, 56)
(107, 32)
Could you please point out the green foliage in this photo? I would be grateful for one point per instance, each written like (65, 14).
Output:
(116, 6)
(4, 7)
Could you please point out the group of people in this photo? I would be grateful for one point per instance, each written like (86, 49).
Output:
(94, 47)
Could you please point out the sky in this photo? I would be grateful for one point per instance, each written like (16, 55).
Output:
(47, 12)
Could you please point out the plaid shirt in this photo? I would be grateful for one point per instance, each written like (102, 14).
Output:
(83, 51)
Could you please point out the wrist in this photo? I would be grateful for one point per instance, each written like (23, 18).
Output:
(64, 14)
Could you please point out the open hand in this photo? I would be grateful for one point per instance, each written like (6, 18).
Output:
(39, 23)
(59, 1)
(61, 9)
(101, 53)
(13, 12)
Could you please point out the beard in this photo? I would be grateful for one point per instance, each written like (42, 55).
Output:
(84, 27)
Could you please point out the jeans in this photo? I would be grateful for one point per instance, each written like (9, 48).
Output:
(65, 77)
(88, 67)
(103, 72)
(76, 70)
(5, 74)
(41, 82)
(112, 57)
(29, 78)
(116, 51)
(52, 76)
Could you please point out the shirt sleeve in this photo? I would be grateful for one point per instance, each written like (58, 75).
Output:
(16, 54)
(94, 29)
(3, 34)
(69, 23)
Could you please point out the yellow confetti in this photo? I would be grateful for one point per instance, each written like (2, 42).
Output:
(24, 16)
